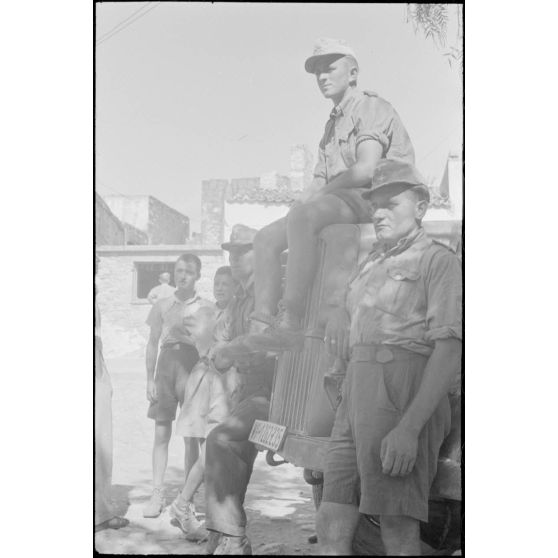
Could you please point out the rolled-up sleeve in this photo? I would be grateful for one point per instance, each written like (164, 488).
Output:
(377, 120)
(444, 297)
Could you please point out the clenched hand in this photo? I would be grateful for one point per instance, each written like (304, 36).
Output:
(398, 452)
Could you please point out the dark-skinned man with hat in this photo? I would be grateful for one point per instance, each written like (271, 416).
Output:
(362, 129)
(400, 329)
(229, 455)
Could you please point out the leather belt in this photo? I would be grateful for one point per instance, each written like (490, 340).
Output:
(381, 353)
(177, 346)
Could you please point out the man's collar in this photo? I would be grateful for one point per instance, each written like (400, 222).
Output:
(191, 300)
(384, 250)
(346, 102)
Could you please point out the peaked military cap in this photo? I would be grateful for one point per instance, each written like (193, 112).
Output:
(392, 171)
(327, 47)
(241, 237)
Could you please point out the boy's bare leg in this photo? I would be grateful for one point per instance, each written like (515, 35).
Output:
(304, 224)
(194, 479)
(163, 430)
(160, 456)
(182, 509)
(191, 454)
(269, 243)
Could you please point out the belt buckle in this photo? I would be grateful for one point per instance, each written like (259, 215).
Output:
(384, 355)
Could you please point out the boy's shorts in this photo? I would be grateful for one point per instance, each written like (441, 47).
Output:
(205, 402)
(173, 366)
(374, 397)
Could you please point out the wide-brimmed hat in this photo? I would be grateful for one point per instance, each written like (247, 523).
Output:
(241, 237)
(392, 171)
(327, 47)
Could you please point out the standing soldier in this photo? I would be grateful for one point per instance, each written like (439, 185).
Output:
(401, 328)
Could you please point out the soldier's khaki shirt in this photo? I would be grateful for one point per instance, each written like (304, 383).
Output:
(360, 116)
(410, 295)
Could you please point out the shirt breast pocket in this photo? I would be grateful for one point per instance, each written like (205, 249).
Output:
(347, 146)
(400, 292)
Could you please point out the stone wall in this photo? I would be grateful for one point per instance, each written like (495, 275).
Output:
(161, 223)
(108, 229)
(134, 236)
(133, 210)
(123, 327)
(166, 225)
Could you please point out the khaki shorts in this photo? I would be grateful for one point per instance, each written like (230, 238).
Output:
(173, 367)
(374, 397)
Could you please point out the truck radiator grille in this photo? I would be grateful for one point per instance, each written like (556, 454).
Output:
(296, 371)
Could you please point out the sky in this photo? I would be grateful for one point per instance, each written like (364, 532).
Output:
(192, 91)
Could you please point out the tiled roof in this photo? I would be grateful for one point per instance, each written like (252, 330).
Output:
(249, 190)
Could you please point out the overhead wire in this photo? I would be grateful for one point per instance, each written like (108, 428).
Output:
(119, 24)
(112, 189)
(120, 27)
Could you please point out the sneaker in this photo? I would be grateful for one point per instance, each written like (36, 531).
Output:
(213, 540)
(234, 545)
(155, 505)
(185, 519)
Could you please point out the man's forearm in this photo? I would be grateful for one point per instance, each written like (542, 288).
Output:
(440, 372)
(150, 360)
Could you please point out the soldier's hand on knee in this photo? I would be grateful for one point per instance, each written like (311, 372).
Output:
(399, 452)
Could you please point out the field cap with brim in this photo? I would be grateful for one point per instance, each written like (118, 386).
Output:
(391, 171)
(241, 237)
(327, 47)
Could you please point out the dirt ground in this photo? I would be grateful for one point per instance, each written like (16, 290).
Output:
(278, 503)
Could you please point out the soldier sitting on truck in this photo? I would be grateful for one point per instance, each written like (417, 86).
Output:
(362, 129)
(400, 329)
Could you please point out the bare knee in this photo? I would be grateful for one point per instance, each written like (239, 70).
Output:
(400, 535)
(335, 526)
(163, 432)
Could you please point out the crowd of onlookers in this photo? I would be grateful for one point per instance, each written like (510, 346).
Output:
(184, 329)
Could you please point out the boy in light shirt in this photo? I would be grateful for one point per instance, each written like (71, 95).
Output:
(179, 323)
(207, 400)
